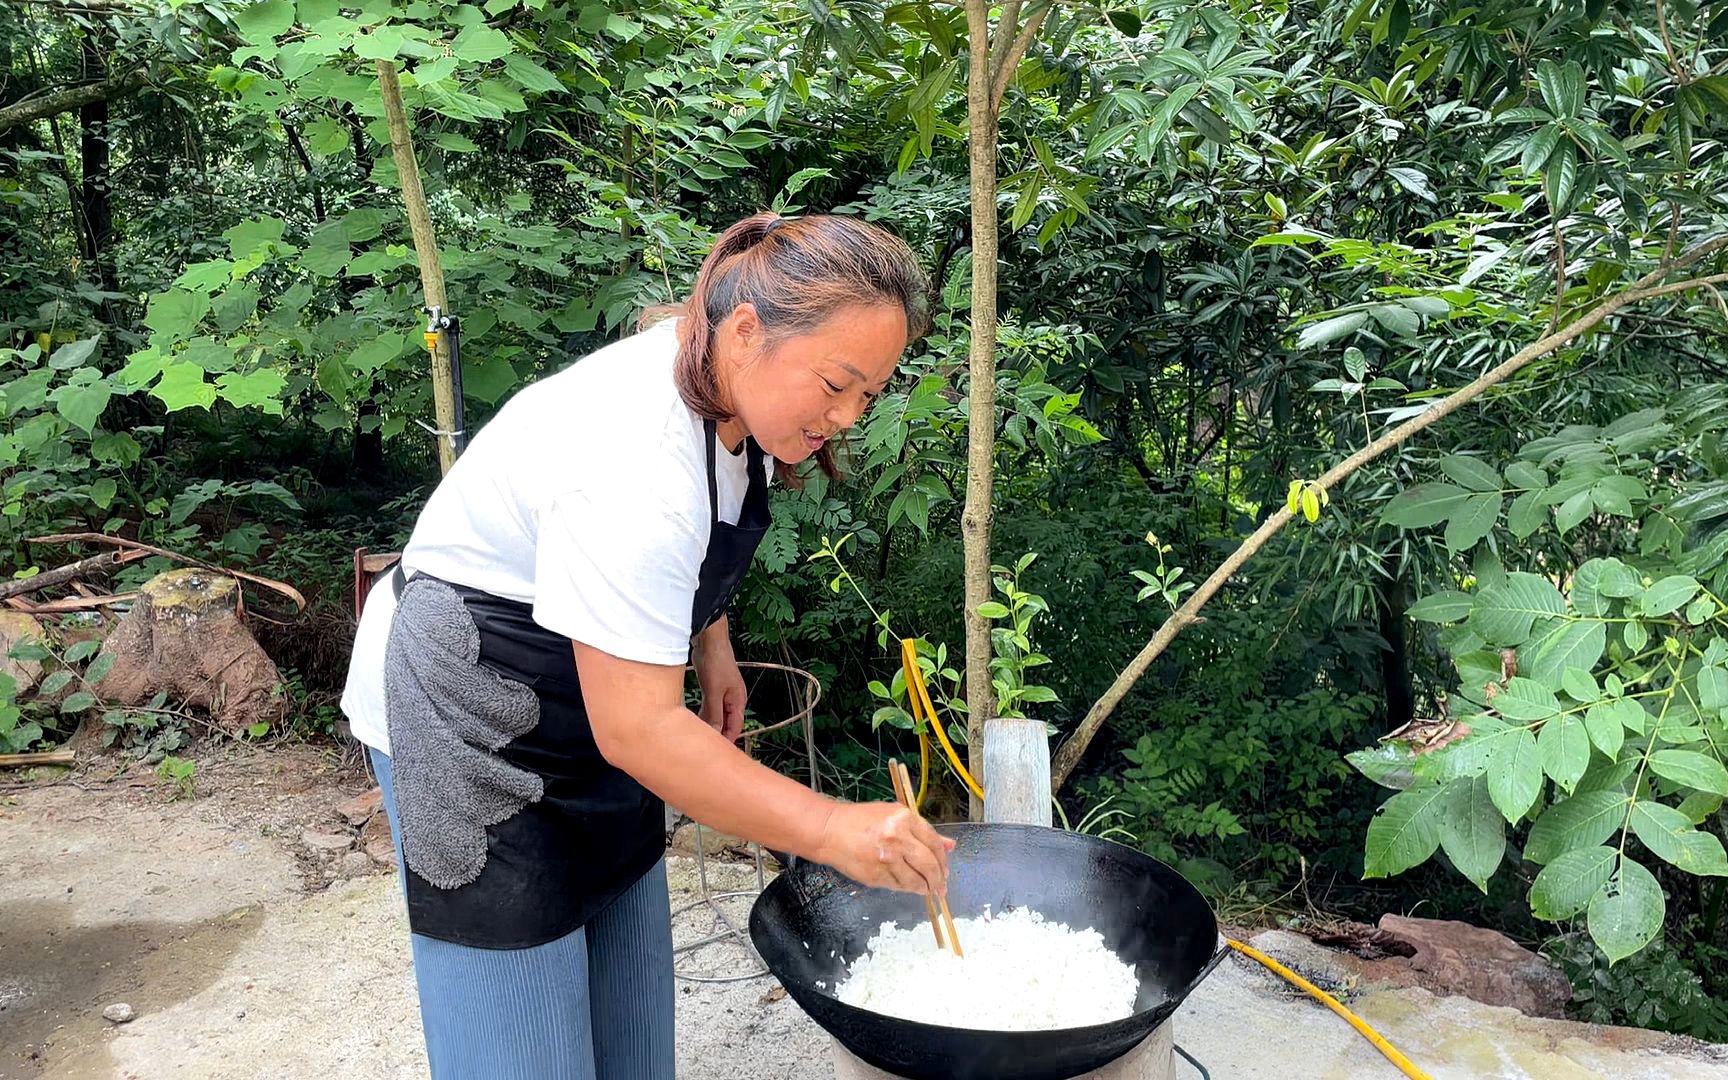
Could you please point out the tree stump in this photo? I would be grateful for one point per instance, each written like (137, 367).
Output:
(184, 636)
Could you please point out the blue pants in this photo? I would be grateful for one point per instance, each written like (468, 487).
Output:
(596, 1004)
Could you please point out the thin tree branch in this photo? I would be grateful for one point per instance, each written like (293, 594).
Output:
(1645, 288)
(1002, 70)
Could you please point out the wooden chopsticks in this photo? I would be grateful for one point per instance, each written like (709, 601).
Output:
(903, 793)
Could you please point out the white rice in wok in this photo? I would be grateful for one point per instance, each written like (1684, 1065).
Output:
(1020, 973)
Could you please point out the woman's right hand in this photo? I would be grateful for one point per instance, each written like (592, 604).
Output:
(885, 845)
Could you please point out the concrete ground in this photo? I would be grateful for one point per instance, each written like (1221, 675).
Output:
(211, 919)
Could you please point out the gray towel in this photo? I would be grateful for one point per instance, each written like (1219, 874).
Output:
(447, 717)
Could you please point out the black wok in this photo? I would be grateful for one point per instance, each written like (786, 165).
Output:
(1152, 917)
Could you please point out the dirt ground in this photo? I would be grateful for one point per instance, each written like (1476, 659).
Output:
(241, 952)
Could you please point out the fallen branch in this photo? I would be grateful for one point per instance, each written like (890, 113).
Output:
(61, 574)
(70, 603)
(46, 757)
(282, 587)
(1647, 287)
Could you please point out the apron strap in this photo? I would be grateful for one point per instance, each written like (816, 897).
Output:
(709, 438)
(755, 506)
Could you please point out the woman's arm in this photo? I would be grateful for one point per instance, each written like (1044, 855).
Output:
(642, 727)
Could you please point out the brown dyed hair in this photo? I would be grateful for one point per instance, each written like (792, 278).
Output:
(797, 273)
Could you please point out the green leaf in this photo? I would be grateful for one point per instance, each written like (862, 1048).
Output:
(176, 313)
(1669, 835)
(489, 381)
(83, 405)
(1616, 579)
(1698, 806)
(1388, 764)
(1712, 689)
(73, 354)
(1539, 148)
(102, 491)
(1526, 701)
(1525, 476)
(990, 609)
(1584, 820)
(258, 389)
(77, 703)
(1568, 884)
(1580, 685)
(1038, 694)
(380, 43)
(1577, 643)
(263, 21)
(1515, 774)
(455, 142)
(1528, 514)
(55, 683)
(99, 668)
(1573, 511)
(1627, 915)
(1602, 724)
(1473, 521)
(1125, 21)
(1470, 472)
(246, 238)
(1471, 830)
(479, 43)
(182, 386)
(1404, 832)
(1691, 769)
(1503, 614)
(1636, 635)
(1587, 597)
(374, 354)
(531, 76)
(1442, 607)
(1632, 715)
(1668, 595)
(325, 137)
(1565, 747)
(1424, 505)
(1327, 330)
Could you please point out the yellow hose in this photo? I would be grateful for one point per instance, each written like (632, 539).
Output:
(924, 709)
(1405, 1065)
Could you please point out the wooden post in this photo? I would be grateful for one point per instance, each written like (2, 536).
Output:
(1017, 761)
(426, 251)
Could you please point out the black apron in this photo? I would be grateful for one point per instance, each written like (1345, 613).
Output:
(595, 831)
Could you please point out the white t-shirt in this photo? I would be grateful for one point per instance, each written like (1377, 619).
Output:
(585, 496)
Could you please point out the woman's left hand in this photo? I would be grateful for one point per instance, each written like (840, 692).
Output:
(722, 684)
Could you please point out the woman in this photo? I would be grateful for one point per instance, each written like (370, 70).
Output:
(520, 677)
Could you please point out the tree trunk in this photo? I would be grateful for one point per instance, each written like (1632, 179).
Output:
(426, 250)
(975, 519)
(97, 236)
(1395, 674)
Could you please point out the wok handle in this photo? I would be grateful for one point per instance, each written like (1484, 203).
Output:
(1216, 959)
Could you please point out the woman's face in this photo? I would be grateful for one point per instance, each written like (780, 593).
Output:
(797, 393)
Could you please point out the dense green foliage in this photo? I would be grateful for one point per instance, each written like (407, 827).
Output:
(1240, 240)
